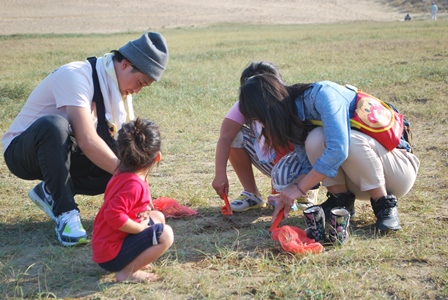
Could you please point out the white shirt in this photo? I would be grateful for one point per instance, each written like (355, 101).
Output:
(69, 85)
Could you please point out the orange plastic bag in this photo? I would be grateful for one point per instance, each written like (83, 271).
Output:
(171, 208)
(294, 240)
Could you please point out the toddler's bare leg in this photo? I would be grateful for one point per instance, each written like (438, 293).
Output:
(132, 272)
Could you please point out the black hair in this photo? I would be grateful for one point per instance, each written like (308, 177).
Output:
(139, 143)
(120, 57)
(260, 67)
(267, 99)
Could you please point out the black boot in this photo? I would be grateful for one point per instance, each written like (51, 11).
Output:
(346, 200)
(386, 212)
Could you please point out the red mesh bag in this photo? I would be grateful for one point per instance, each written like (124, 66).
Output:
(294, 240)
(171, 208)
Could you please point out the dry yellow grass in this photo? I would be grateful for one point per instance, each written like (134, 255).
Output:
(215, 257)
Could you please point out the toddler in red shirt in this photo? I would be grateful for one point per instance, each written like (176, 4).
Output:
(127, 234)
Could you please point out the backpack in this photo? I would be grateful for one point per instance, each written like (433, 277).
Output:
(83, 166)
(102, 126)
(406, 137)
(389, 134)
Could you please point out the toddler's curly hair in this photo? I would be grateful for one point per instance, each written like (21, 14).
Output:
(139, 142)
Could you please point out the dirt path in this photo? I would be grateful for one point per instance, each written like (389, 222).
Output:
(107, 16)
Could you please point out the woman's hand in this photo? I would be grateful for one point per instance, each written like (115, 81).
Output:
(221, 186)
(285, 199)
(280, 202)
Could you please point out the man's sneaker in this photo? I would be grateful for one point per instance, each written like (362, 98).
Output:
(386, 212)
(247, 201)
(44, 201)
(69, 229)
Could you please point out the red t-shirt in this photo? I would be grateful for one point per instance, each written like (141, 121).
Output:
(126, 196)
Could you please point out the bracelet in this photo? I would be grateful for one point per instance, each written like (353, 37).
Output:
(298, 187)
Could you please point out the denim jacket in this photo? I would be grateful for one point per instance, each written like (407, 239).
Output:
(333, 104)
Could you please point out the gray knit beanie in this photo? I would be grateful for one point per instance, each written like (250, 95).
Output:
(149, 54)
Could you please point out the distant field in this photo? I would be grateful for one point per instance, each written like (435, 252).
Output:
(110, 16)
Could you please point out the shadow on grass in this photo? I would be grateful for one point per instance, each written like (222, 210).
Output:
(209, 232)
(34, 263)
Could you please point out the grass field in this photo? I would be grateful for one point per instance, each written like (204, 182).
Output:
(216, 257)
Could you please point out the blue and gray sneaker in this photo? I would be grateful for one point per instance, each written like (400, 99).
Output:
(69, 229)
(44, 201)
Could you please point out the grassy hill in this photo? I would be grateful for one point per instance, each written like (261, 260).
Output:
(417, 6)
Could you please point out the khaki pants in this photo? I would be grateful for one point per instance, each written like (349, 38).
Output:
(369, 165)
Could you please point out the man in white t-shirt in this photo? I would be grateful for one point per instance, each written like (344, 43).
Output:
(434, 10)
(64, 136)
